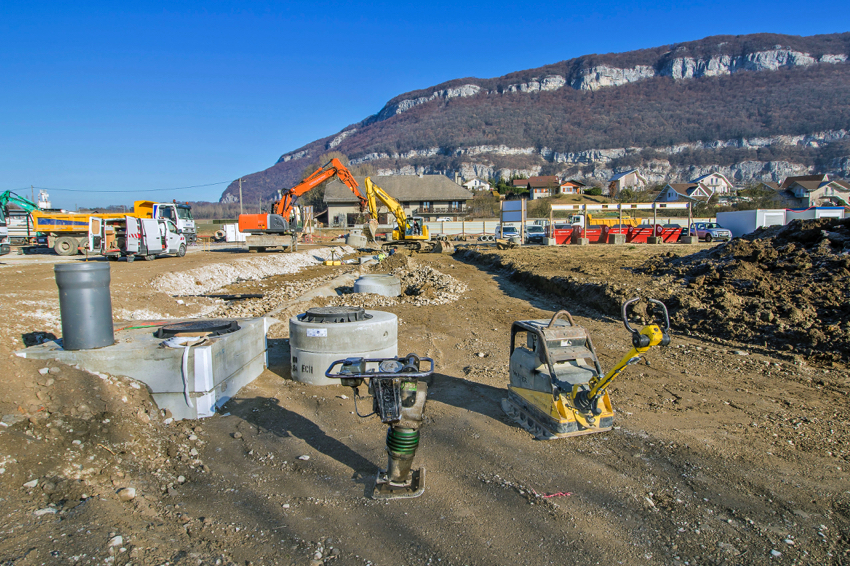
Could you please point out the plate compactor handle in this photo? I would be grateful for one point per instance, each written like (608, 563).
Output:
(640, 340)
(560, 313)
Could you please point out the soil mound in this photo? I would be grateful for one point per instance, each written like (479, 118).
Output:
(392, 263)
(785, 287)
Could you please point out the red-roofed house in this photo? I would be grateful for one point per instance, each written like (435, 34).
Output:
(542, 186)
(571, 187)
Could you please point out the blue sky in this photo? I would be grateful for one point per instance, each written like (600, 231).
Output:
(120, 96)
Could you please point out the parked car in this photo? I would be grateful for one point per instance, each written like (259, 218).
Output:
(507, 232)
(709, 231)
(535, 234)
(444, 219)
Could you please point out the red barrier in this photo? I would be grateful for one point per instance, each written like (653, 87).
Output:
(592, 233)
(639, 234)
(617, 229)
(562, 233)
(671, 235)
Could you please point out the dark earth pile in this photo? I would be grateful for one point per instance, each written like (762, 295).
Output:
(784, 287)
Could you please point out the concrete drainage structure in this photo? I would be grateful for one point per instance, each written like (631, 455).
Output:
(192, 377)
(324, 335)
(379, 284)
(356, 239)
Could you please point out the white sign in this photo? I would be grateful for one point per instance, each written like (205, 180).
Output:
(513, 211)
(317, 332)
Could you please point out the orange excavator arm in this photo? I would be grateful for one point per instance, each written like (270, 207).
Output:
(322, 174)
(278, 220)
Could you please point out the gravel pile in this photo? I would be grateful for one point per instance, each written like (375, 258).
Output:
(420, 286)
(213, 277)
(270, 300)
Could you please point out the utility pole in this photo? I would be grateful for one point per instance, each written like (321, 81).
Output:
(240, 195)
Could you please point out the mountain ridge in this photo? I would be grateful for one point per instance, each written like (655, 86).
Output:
(536, 121)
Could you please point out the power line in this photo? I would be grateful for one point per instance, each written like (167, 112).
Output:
(133, 191)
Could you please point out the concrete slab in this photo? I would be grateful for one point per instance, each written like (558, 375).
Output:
(616, 238)
(215, 369)
(688, 240)
(654, 240)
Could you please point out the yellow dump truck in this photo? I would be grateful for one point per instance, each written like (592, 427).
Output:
(596, 221)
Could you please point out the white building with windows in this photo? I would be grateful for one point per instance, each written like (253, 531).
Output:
(428, 196)
(718, 184)
(476, 184)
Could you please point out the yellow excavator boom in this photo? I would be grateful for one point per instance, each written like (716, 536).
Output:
(375, 194)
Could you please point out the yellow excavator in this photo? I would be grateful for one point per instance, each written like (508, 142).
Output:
(411, 232)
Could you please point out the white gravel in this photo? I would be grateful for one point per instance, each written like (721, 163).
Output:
(210, 278)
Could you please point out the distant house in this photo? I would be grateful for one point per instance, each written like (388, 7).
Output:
(783, 198)
(631, 179)
(684, 192)
(815, 190)
(718, 183)
(571, 187)
(542, 186)
(520, 183)
(429, 196)
(768, 186)
(476, 184)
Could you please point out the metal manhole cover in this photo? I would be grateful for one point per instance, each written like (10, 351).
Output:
(198, 328)
(335, 314)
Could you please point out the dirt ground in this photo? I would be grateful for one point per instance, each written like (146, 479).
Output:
(723, 452)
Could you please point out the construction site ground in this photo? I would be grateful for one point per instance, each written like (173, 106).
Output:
(727, 449)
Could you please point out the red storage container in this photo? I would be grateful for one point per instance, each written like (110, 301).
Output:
(670, 234)
(592, 233)
(616, 229)
(639, 234)
(562, 233)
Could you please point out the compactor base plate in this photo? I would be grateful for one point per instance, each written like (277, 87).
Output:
(542, 426)
(385, 490)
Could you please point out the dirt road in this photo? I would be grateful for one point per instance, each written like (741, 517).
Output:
(722, 453)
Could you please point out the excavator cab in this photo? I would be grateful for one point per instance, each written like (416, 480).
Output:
(416, 230)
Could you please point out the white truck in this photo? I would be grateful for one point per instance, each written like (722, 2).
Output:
(133, 237)
(179, 213)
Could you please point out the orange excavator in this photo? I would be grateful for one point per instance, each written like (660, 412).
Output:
(276, 229)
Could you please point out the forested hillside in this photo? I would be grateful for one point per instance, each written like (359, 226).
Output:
(754, 107)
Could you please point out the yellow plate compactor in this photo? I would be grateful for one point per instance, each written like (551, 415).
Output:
(557, 386)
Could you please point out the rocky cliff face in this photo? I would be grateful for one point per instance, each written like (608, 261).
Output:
(601, 76)
(705, 60)
(596, 164)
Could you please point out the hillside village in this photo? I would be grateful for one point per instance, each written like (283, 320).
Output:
(436, 197)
